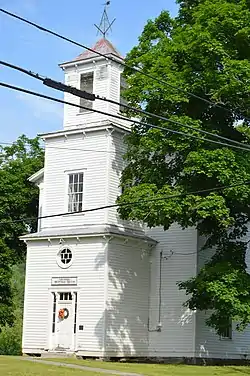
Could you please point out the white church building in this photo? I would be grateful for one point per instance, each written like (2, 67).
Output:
(97, 286)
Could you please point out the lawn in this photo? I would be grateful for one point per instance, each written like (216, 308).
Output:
(163, 370)
(11, 366)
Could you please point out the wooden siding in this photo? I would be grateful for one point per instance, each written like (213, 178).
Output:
(106, 84)
(127, 304)
(177, 336)
(116, 165)
(208, 343)
(75, 153)
(88, 266)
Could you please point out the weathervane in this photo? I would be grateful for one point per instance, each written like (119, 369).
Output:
(105, 24)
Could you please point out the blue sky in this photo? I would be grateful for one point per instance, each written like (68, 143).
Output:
(37, 51)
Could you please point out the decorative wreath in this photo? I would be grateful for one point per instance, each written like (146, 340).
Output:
(63, 313)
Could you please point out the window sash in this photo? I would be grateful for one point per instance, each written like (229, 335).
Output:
(75, 192)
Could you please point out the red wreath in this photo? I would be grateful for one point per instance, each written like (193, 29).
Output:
(61, 314)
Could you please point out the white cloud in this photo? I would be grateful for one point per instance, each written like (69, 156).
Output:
(42, 108)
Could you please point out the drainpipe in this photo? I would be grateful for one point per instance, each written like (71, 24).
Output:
(159, 324)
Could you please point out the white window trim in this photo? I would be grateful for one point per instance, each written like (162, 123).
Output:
(66, 200)
(58, 258)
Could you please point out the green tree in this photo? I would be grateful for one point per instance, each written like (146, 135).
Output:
(204, 50)
(18, 203)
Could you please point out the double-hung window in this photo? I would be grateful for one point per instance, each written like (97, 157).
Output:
(75, 192)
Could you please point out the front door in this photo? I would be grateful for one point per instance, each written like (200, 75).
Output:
(65, 323)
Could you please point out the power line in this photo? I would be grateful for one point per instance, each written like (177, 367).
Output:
(90, 96)
(62, 148)
(134, 68)
(131, 203)
(165, 129)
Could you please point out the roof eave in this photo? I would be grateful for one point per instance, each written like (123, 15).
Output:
(36, 176)
(89, 59)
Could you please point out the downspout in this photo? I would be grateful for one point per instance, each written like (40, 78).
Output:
(159, 324)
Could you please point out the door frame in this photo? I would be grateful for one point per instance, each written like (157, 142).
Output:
(53, 337)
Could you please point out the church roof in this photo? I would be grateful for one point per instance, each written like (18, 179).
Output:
(103, 46)
(91, 231)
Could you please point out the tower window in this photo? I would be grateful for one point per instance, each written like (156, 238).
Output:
(75, 192)
(86, 84)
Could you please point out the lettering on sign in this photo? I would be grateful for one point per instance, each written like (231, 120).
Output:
(62, 281)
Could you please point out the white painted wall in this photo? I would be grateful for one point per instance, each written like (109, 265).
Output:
(208, 343)
(106, 84)
(127, 298)
(177, 337)
(115, 167)
(75, 153)
(88, 266)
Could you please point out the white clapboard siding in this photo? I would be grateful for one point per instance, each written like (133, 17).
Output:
(114, 91)
(177, 336)
(116, 165)
(75, 153)
(127, 303)
(208, 343)
(88, 267)
(106, 84)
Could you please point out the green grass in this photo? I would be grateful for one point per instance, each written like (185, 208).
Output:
(14, 366)
(162, 369)
(11, 366)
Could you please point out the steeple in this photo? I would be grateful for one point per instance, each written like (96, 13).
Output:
(103, 46)
(96, 74)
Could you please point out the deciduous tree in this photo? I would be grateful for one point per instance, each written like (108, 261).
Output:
(204, 50)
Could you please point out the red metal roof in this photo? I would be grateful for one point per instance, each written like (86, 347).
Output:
(103, 46)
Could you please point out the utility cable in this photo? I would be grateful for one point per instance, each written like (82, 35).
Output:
(149, 125)
(121, 62)
(131, 203)
(92, 97)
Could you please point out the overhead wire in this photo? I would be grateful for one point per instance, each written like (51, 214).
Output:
(62, 148)
(125, 65)
(131, 203)
(133, 121)
(62, 87)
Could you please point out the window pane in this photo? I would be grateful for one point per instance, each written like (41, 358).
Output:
(75, 192)
(70, 178)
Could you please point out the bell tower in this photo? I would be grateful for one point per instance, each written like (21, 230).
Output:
(95, 74)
